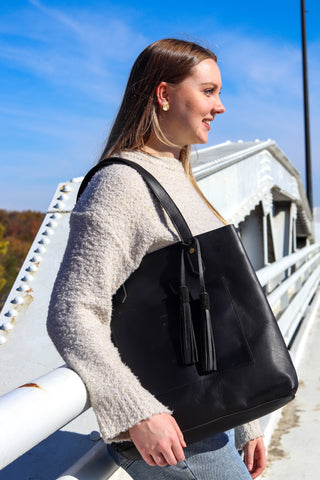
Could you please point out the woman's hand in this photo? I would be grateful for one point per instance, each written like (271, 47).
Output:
(255, 456)
(159, 440)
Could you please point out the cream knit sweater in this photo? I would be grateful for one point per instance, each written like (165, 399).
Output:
(114, 224)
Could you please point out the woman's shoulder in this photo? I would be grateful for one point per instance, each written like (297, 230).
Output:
(115, 176)
(112, 183)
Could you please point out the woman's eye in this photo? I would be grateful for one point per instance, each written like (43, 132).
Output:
(208, 91)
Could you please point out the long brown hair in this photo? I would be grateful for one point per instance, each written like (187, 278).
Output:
(168, 60)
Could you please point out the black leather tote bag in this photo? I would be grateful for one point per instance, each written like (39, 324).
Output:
(193, 324)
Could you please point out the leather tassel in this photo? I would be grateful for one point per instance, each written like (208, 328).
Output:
(187, 337)
(208, 350)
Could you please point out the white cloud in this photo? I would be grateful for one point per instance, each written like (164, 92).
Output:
(261, 64)
(263, 94)
(78, 49)
(88, 55)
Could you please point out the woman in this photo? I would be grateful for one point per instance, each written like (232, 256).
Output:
(171, 99)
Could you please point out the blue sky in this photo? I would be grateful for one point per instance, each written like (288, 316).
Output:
(64, 66)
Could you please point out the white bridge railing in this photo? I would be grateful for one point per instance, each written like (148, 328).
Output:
(32, 412)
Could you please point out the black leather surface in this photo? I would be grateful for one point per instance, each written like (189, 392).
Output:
(255, 373)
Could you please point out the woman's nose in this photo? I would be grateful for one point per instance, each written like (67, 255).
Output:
(219, 107)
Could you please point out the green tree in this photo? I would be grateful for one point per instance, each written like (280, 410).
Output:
(3, 251)
(17, 231)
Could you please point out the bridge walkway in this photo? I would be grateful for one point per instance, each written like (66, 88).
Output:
(294, 449)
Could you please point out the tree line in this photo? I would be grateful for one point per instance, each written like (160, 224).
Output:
(17, 232)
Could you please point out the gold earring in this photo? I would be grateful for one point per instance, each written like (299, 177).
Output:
(165, 106)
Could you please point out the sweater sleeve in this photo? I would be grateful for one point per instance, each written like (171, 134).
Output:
(111, 229)
(247, 432)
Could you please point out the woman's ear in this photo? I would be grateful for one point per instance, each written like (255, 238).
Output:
(162, 94)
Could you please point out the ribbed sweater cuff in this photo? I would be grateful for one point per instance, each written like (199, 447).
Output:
(247, 432)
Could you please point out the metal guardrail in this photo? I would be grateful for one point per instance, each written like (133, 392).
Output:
(292, 281)
(271, 272)
(32, 412)
(96, 464)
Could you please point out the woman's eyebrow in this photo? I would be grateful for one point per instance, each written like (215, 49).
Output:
(214, 85)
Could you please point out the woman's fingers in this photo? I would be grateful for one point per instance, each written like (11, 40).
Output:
(168, 452)
(167, 457)
(255, 457)
(149, 460)
(180, 434)
(178, 453)
(160, 460)
(159, 440)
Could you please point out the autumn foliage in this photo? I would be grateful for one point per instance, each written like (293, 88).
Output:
(17, 232)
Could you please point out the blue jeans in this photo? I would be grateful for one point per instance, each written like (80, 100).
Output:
(215, 458)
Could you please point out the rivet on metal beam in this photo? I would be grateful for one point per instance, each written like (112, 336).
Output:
(32, 268)
(52, 224)
(11, 313)
(66, 188)
(44, 241)
(48, 232)
(17, 300)
(23, 288)
(35, 259)
(6, 326)
(27, 278)
(76, 179)
(94, 436)
(40, 249)
(63, 196)
(55, 216)
(58, 205)
(2, 339)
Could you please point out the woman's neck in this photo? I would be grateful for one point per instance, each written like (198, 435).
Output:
(155, 147)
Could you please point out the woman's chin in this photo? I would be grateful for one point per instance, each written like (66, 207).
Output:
(202, 141)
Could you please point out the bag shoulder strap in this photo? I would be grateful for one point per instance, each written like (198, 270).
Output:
(161, 194)
(188, 342)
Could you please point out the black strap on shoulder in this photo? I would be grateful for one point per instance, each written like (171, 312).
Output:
(161, 194)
